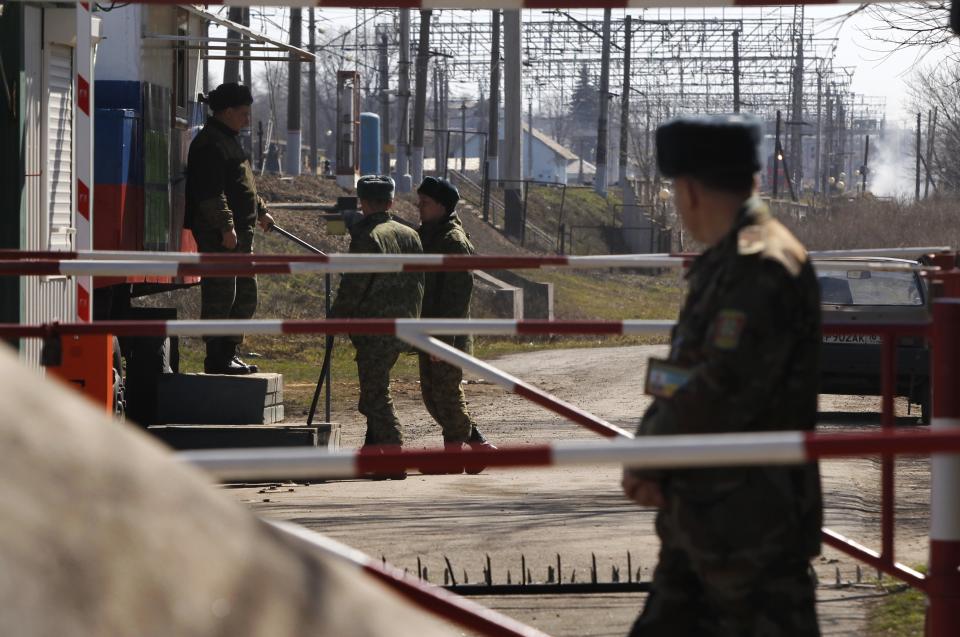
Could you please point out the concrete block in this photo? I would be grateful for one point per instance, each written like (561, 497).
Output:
(236, 436)
(211, 399)
(493, 298)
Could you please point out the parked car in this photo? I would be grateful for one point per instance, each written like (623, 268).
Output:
(850, 363)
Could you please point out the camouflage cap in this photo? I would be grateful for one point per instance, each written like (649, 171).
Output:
(441, 191)
(709, 146)
(375, 188)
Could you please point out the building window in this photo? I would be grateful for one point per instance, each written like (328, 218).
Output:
(181, 65)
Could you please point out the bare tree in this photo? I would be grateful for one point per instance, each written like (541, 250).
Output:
(937, 89)
(923, 25)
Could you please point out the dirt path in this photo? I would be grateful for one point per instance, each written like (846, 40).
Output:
(575, 512)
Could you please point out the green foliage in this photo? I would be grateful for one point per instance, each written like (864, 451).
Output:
(900, 613)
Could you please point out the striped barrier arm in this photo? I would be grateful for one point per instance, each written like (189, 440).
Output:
(403, 327)
(650, 452)
(215, 257)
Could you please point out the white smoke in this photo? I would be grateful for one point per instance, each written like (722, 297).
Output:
(893, 164)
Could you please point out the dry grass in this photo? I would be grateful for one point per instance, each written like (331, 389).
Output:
(876, 223)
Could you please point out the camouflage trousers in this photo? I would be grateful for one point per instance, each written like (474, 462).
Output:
(374, 361)
(443, 398)
(226, 297)
(727, 595)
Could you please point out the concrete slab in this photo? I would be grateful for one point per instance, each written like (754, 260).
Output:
(235, 436)
(213, 399)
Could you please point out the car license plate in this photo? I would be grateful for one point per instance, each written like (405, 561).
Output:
(852, 339)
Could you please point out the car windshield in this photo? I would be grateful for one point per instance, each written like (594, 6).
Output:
(865, 287)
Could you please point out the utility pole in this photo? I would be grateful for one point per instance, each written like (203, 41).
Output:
(206, 63)
(600, 179)
(493, 117)
(736, 70)
(917, 193)
(231, 66)
(796, 116)
(246, 134)
(312, 39)
(818, 180)
(294, 134)
(463, 137)
(931, 134)
(384, 105)
(512, 129)
(776, 157)
(625, 107)
(403, 106)
(864, 169)
(529, 171)
(437, 119)
(420, 98)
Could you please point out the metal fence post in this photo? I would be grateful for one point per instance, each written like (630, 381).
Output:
(943, 614)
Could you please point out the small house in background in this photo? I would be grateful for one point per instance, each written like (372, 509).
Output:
(547, 162)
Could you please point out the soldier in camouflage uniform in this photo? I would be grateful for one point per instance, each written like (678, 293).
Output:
(736, 541)
(446, 295)
(379, 295)
(222, 209)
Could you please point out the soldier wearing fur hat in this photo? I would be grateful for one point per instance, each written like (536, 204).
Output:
(379, 295)
(446, 295)
(222, 209)
(736, 542)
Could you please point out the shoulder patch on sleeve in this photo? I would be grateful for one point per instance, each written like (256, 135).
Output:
(727, 328)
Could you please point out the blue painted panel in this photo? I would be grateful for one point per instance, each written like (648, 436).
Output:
(118, 94)
(369, 144)
(117, 153)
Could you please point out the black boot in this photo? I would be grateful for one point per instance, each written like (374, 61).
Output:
(252, 369)
(220, 359)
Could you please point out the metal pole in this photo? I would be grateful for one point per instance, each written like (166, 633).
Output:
(312, 39)
(83, 102)
(776, 157)
(403, 106)
(420, 97)
(600, 179)
(231, 66)
(463, 137)
(817, 176)
(864, 169)
(513, 130)
(917, 193)
(294, 134)
(736, 70)
(384, 106)
(931, 131)
(493, 117)
(943, 592)
(625, 105)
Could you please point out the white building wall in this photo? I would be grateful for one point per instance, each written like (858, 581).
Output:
(52, 298)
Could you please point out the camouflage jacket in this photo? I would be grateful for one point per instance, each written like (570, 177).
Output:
(380, 295)
(748, 338)
(447, 294)
(221, 191)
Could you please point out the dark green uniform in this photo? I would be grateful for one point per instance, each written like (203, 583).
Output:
(222, 194)
(736, 541)
(380, 295)
(446, 295)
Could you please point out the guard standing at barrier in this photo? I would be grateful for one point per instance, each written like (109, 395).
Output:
(222, 209)
(446, 295)
(379, 295)
(736, 541)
